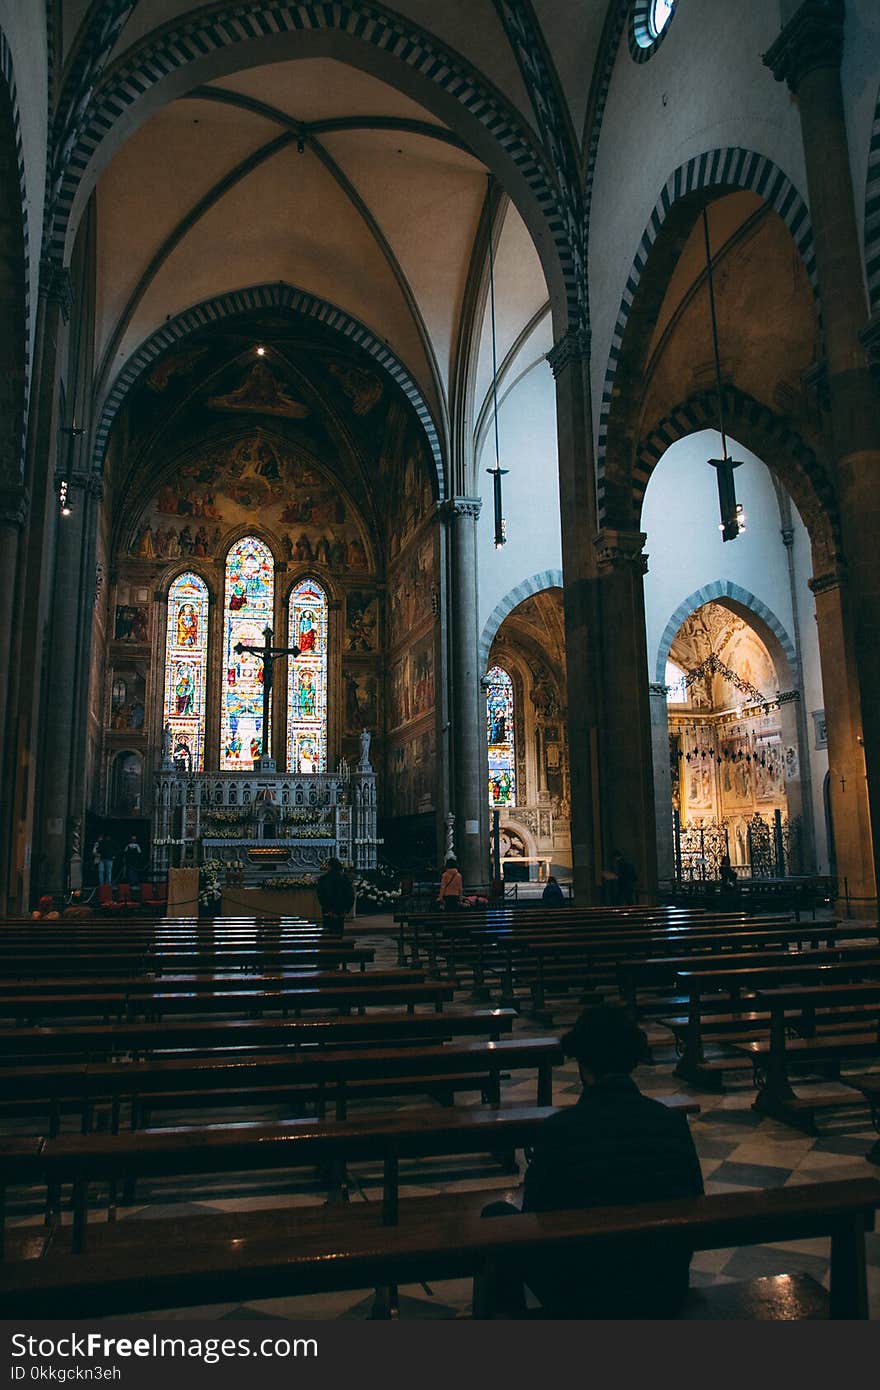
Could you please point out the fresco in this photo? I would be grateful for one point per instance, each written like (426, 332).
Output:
(254, 481)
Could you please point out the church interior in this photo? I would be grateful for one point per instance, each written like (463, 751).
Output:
(438, 436)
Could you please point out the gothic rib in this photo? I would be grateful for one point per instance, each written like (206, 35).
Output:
(482, 422)
(175, 46)
(7, 72)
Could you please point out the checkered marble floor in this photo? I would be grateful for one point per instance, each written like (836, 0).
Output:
(738, 1149)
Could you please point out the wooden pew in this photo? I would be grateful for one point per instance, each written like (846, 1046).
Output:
(699, 982)
(53, 961)
(771, 1057)
(254, 1255)
(113, 1039)
(464, 928)
(82, 1160)
(664, 970)
(298, 996)
(201, 983)
(327, 1074)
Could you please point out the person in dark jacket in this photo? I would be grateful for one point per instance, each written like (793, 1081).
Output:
(336, 895)
(614, 1147)
(553, 894)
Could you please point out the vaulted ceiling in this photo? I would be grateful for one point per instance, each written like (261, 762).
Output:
(316, 173)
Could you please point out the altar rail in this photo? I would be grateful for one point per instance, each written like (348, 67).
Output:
(225, 814)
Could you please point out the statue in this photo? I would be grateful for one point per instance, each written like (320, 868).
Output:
(364, 764)
(167, 740)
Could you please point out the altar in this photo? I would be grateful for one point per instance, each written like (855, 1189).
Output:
(267, 830)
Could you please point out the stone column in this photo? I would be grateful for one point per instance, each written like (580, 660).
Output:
(627, 758)
(807, 55)
(846, 762)
(662, 781)
(13, 513)
(569, 361)
(32, 593)
(467, 740)
(66, 682)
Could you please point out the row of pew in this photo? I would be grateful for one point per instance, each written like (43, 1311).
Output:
(107, 1027)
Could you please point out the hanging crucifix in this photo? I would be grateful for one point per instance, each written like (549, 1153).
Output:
(268, 655)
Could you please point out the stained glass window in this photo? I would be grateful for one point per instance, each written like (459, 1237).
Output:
(660, 15)
(307, 679)
(247, 610)
(676, 690)
(186, 660)
(499, 726)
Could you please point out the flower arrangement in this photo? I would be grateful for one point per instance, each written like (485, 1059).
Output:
(288, 881)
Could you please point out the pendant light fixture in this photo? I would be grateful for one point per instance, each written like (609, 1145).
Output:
(496, 473)
(732, 521)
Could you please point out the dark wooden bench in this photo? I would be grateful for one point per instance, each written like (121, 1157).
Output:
(200, 983)
(255, 1255)
(741, 987)
(326, 1075)
(112, 1039)
(662, 972)
(293, 998)
(81, 1161)
(66, 962)
(771, 1057)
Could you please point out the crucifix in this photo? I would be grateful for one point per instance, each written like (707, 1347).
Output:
(268, 655)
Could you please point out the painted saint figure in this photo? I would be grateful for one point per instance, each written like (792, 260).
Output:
(185, 690)
(187, 626)
(307, 632)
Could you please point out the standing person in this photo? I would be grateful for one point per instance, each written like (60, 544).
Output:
(104, 854)
(553, 894)
(451, 887)
(131, 859)
(336, 895)
(627, 878)
(615, 1147)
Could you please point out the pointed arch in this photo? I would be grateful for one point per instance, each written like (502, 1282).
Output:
(272, 296)
(307, 628)
(752, 609)
(248, 604)
(186, 667)
(767, 435)
(681, 199)
(547, 579)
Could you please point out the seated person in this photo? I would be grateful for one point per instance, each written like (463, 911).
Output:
(76, 907)
(615, 1147)
(553, 894)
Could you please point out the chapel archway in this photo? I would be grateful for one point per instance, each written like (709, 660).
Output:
(526, 739)
(734, 754)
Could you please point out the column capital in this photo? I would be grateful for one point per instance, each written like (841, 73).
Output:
(455, 507)
(619, 549)
(833, 578)
(657, 690)
(56, 285)
(812, 39)
(13, 504)
(573, 346)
